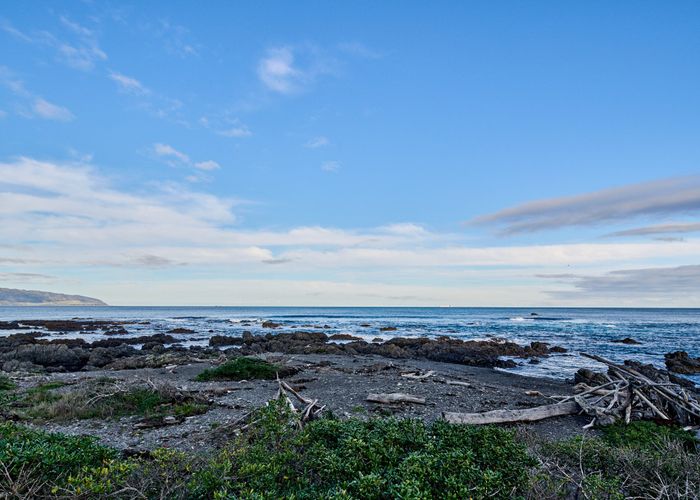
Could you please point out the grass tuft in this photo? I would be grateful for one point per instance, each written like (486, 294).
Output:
(243, 369)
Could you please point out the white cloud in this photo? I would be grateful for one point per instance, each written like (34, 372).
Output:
(49, 111)
(81, 52)
(277, 72)
(66, 217)
(330, 166)
(128, 84)
(167, 151)
(207, 165)
(237, 131)
(34, 106)
(289, 70)
(317, 142)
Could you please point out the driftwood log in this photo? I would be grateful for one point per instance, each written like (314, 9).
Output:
(625, 395)
(395, 397)
(503, 416)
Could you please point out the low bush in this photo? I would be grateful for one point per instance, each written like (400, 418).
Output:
(102, 398)
(34, 462)
(639, 460)
(6, 384)
(243, 369)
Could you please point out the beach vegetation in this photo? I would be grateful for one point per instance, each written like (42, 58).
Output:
(242, 368)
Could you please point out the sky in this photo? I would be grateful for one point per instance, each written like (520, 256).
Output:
(359, 153)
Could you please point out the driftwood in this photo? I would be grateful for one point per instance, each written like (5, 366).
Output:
(395, 397)
(458, 382)
(419, 376)
(630, 395)
(502, 416)
(625, 395)
(311, 409)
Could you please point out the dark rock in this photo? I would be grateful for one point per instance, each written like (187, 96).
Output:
(181, 330)
(681, 362)
(557, 348)
(10, 325)
(223, 340)
(159, 338)
(365, 325)
(343, 336)
(626, 340)
(270, 324)
(388, 329)
(57, 356)
(589, 377)
(377, 339)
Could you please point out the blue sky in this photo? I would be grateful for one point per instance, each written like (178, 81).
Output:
(367, 153)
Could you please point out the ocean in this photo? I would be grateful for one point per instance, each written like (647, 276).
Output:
(590, 330)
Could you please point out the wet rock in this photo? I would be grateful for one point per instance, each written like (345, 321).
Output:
(388, 329)
(181, 330)
(159, 338)
(102, 356)
(225, 340)
(589, 377)
(52, 356)
(119, 330)
(681, 362)
(626, 340)
(343, 336)
(270, 324)
(10, 325)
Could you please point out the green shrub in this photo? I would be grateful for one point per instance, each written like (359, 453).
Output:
(380, 458)
(35, 460)
(242, 369)
(6, 384)
(625, 461)
(647, 435)
(102, 399)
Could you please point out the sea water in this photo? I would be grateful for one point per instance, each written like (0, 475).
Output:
(591, 330)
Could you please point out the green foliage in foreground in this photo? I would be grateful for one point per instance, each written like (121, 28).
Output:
(639, 460)
(377, 459)
(34, 458)
(241, 369)
(5, 383)
(382, 458)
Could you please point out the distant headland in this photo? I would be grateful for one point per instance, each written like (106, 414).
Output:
(17, 297)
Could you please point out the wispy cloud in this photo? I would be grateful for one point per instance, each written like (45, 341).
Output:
(330, 166)
(289, 69)
(359, 49)
(664, 197)
(237, 131)
(317, 142)
(659, 282)
(32, 105)
(81, 52)
(675, 228)
(207, 165)
(27, 278)
(128, 84)
(175, 158)
(177, 39)
(167, 151)
(44, 109)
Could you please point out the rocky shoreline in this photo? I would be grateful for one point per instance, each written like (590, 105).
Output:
(340, 371)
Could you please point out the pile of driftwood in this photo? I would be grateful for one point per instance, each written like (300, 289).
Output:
(311, 407)
(628, 394)
(623, 394)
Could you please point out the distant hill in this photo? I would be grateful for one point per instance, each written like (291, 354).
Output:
(16, 297)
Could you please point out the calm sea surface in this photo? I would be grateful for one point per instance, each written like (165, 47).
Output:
(588, 330)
